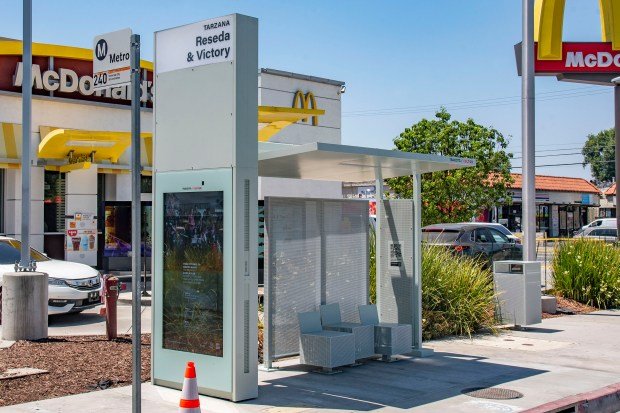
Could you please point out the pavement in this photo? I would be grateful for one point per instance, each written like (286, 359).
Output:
(557, 359)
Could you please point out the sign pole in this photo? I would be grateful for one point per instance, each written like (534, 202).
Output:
(25, 263)
(528, 207)
(617, 152)
(136, 224)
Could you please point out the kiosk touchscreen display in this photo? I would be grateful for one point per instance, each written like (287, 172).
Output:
(193, 272)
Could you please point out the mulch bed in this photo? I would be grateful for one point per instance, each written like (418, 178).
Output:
(567, 306)
(76, 365)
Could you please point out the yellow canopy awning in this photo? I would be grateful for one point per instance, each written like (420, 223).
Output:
(57, 143)
(10, 145)
(85, 147)
(272, 119)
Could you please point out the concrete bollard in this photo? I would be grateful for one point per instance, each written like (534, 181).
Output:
(549, 304)
(24, 306)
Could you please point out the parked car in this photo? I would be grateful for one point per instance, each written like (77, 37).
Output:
(475, 240)
(600, 233)
(498, 227)
(73, 287)
(601, 222)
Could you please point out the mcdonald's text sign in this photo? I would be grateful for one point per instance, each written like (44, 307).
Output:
(577, 57)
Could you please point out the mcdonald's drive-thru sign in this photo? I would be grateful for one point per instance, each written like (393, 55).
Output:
(574, 60)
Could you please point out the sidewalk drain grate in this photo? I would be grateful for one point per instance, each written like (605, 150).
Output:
(495, 393)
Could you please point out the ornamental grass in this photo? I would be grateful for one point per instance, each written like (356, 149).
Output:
(457, 293)
(588, 271)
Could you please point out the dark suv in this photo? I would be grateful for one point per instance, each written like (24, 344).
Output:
(475, 240)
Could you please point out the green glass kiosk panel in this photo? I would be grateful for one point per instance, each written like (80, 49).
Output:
(193, 277)
(193, 272)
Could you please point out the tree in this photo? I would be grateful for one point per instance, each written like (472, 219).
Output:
(457, 195)
(598, 152)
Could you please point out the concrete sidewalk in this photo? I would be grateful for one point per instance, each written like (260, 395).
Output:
(561, 357)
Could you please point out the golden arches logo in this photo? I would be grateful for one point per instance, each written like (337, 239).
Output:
(306, 101)
(549, 21)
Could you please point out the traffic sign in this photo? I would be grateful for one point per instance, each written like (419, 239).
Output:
(111, 54)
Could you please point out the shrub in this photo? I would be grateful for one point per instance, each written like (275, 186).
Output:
(372, 265)
(587, 271)
(457, 294)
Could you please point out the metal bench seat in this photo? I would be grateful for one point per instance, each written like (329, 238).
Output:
(323, 348)
(364, 334)
(390, 338)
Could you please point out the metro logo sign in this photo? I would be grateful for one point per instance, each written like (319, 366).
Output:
(581, 58)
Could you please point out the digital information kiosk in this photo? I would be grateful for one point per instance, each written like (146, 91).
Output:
(205, 206)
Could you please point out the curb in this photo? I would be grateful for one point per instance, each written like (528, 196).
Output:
(145, 301)
(604, 400)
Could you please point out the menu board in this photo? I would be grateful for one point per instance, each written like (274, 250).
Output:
(81, 232)
(193, 272)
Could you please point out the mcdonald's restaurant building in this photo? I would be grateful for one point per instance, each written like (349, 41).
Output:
(80, 139)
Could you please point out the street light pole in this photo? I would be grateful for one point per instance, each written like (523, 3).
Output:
(25, 262)
(528, 207)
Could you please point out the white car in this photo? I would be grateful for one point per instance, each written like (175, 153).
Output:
(601, 233)
(601, 222)
(73, 287)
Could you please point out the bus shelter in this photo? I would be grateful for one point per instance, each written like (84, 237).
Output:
(316, 250)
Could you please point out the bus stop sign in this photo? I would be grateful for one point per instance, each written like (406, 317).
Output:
(111, 53)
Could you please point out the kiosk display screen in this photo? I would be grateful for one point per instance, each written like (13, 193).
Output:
(193, 272)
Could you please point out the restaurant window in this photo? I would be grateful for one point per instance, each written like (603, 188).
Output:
(511, 217)
(146, 184)
(54, 201)
(117, 233)
(542, 218)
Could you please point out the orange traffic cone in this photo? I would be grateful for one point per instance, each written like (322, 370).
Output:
(189, 395)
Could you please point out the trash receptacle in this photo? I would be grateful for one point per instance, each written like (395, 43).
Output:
(518, 289)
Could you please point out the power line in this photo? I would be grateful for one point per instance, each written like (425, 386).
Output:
(550, 150)
(461, 105)
(566, 91)
(560, 164)
(563, 154)
(558, 144)
(553, 155)
(612, 146)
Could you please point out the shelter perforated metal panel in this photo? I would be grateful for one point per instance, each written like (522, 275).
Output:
(345, 232)
(292, 269)
(396, 274)
(316, 252)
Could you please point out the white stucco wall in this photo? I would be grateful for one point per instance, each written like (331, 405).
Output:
(279, 90)
(81, 185)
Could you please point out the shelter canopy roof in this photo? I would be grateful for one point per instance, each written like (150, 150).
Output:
(333, 162)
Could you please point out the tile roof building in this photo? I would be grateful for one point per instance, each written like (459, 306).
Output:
(563, 205)
(557, 184)
(608, 203)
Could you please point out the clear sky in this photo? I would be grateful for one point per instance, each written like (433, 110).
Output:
(401, 60)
